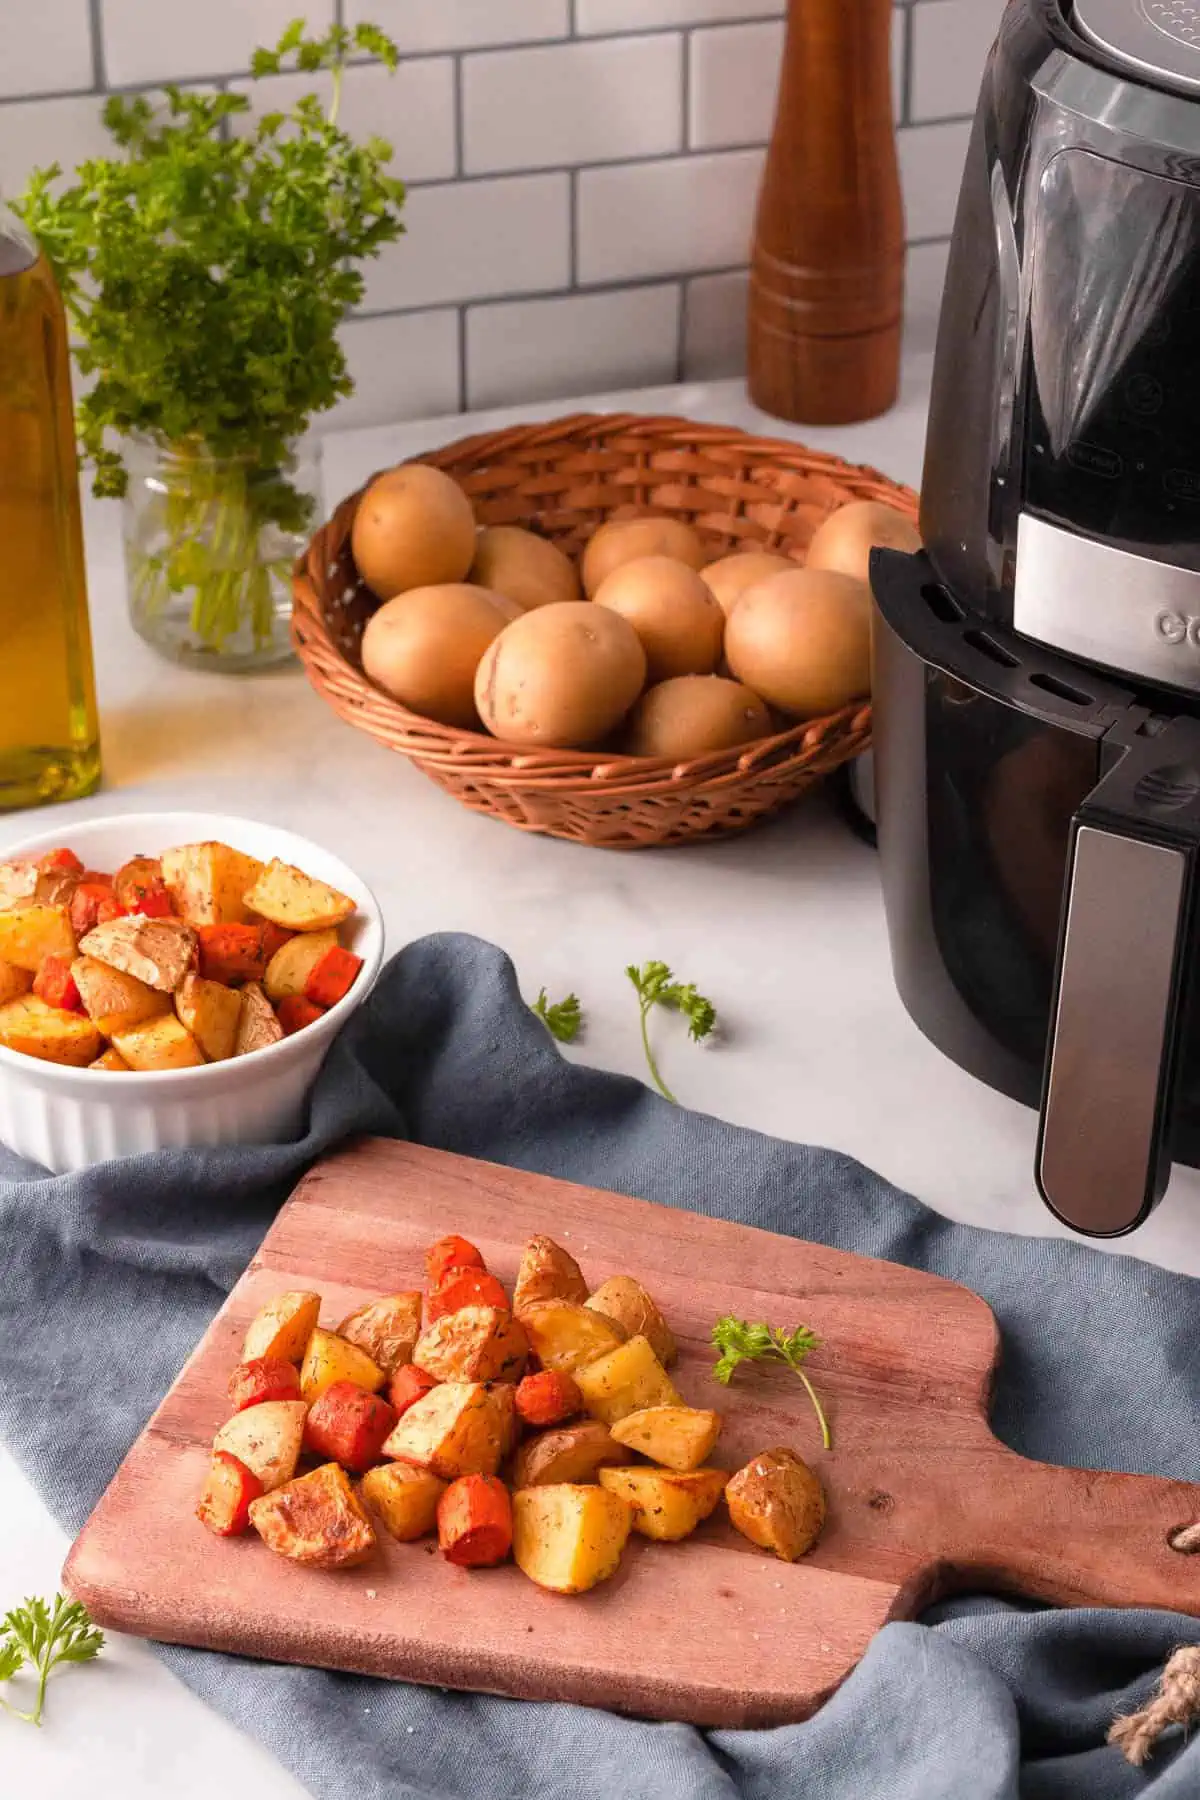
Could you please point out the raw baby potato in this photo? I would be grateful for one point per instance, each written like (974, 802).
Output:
(211, 1012)
(477, 1343)
(405, 1498)
(547, 1272)
(267, 1438)
(562, 676)
(626, 1301)
(623, 540)
(331, 1358)
(524, 567)
(565, 1335)
(48, 1032)
(571, 1453)
(458, 1428)
(728, 578)
(678, 623)
(423, 648)
(778, 1503)
(289, 969)
(114, 1001)
(666, 1505)
(678, 1437)
(208, 882)
(283, 1327)
(29, 934)
(694, 715)
(414, 528)
(568, 1538)
(844, 541)
(289, 897)
(317, 1520)
(385, 1329)
(627, 1380)
(803, 641)
(163, 1043)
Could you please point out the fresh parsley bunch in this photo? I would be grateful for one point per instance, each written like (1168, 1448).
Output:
(36, 1638)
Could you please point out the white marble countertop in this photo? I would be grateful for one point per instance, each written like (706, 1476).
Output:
(792, 909)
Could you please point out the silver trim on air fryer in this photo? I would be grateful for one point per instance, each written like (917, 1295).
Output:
(1091, 600)
(1158, 38)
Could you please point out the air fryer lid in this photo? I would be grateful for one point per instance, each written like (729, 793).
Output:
(1158, 40)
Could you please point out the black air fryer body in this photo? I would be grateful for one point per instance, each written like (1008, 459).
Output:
(1037, 675)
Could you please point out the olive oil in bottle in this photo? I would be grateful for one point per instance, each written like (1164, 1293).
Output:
(49, 740)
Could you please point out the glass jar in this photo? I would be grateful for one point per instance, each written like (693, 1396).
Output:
(209, 547)
(49, 738)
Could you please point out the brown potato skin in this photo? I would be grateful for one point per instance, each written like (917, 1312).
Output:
(621, 540)
(571, 1453)
(476, 1343)
(414, 527)
(424, 647)
(778, 1503)
(677, 620)
(845, 539)
(695, 715)
(547, 1272)
(803, 641)
(386, 1329)
(560, 677)
(317, 1520)
(728, 578)
(524, 567)
(627, 1303)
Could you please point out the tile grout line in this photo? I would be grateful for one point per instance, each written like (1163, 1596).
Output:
(96, 25)
(685, 92)
(683, 304)
(573, 230)
(460, 123)
(906, 68)
(462, 357)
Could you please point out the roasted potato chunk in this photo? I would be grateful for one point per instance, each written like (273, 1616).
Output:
(212, 1013)
(29, 934)
(629, 1379)
(207, 882)
(626, 1300)
(456, 1429)
(564, 1335)
(283, 1326)
(547, 1272)
(568, 1538)
(678, 1437)
(13, 982)
(386, 1329)
(267, 1438)
(292, 964)
(666, 1505)
(18, 883)
(289, 897)
(405, 1498)
(158, 952)
(778, 1503)
(476, 1343)
(113, 1001)
(257, 1026)
(159, 1044)
(570, 1453)
(317, 1520)
(49, 1033)
(331, 1358)
(113, 1061)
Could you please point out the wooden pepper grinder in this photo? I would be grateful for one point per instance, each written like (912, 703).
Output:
(827, 267)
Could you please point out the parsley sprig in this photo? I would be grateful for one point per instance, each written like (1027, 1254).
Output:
(562, 1018)
(40, 1637)
(739, 1342)
(655, 985)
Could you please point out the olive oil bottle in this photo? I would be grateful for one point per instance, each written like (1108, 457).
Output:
(49, 739)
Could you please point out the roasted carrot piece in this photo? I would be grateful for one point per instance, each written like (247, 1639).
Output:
(232, 952)
(474, 1520)
(60, 862)
(231, 1487)
(332, 976)
(263, 1378)
(55, 984)
(152, 900)
(294, 1012)
(408, 1385)
(85, 910)
(449, 1253)
(548, 1398)
(274, 937)
(348, 1426)
(465, 1287)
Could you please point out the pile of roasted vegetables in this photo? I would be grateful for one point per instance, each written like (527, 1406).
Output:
(507, 1428)
(175, 961)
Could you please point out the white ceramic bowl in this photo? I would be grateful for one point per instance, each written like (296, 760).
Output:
(67, 1118)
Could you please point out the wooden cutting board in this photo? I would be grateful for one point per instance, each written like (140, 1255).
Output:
(923, 1499)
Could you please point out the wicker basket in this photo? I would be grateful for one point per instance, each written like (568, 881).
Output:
(564, 478)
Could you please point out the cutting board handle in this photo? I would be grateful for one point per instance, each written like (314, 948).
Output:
(1074, 1537)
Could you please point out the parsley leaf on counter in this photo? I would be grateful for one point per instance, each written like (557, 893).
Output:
(740, 1342)
(562, 1018)
(656, 986)
(42, 1637)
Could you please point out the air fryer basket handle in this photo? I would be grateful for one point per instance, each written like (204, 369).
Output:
(1123, 969)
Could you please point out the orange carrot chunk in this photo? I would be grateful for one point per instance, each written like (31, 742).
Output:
(474, 1520)
(231, 1487)
(232, 952)
(295, 1012)
(332, 976)
(450, 1253)
(409, 1384)
(348, 1425)
(263, 1378)
(548, 1398)
(93, 903)
(55, 984)
(60, 862)
(465, 1287)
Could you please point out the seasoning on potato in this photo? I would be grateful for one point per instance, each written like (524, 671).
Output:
(728, 578)
(843, 542)
(778, 1503)
(414, 528)
(694, 715)
(803, 641)
(524, 567)
(562, 676)
(677, 620)
(622, 540)
(423, 647)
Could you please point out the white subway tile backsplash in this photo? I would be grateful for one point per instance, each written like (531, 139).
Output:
(413, 109)
(734, 78)
(644, 15)
(151, 40)
(665, 218)
(714, 326)
(546, 349)
(473, 238)
(951, 40)
(405, 366)
(931, 163)
(573, 103)
(420, 25)
(47, 46)
(36, 133)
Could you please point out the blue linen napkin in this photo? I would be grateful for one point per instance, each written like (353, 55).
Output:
(983, 1700)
